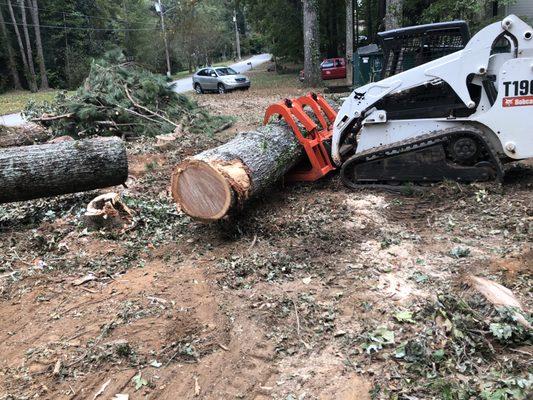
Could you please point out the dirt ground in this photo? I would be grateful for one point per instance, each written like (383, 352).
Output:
(313, 292)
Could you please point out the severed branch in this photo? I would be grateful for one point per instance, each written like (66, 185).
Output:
(137, 105)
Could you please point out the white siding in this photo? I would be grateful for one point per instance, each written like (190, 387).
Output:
(522, 8)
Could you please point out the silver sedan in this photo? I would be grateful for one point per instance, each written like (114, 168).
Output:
(219, 79)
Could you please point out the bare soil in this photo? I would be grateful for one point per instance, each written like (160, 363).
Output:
(275, 304)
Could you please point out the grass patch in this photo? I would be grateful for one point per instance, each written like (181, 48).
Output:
(262, 79)
(15, 101)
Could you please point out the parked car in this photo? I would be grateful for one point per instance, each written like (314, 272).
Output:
(331, 68)
(219, 79)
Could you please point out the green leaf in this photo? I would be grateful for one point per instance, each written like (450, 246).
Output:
(438, 355)
(404, 316)
(501, 331)
(460, 252)
(139, 381)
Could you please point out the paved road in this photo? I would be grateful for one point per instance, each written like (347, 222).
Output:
(185, 84)
(181, 86)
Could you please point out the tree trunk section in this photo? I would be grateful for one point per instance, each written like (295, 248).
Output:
(218, 182)
(19, 40)
(22, 136)
(349, 42)
(311, 43)
(393, 16)
(33, 77)
(53, 169)
(10, 53)
(39, 44)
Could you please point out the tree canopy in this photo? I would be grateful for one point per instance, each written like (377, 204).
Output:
(74, 32)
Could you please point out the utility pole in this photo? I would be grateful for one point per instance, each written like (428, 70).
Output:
(237, 36)
(159, 9)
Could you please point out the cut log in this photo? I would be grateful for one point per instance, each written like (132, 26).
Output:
(217, 182)
(32, 172)
(23, 136)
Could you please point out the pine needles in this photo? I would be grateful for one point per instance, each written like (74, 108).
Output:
(119, 98)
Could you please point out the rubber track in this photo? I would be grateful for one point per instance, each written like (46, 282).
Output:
(411, 144)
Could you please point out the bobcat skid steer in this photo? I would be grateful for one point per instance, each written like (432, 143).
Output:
(460, 117)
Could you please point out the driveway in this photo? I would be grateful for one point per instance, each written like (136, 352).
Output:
(185, 84)
(181, 86)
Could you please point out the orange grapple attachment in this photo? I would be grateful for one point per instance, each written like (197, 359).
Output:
(316, 140)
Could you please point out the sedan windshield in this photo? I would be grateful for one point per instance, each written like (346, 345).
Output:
(226, 71)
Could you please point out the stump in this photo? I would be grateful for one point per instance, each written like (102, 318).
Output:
(32, 172)
(217, 182)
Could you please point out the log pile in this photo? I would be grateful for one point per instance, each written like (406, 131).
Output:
(218, 182)
(37, 171)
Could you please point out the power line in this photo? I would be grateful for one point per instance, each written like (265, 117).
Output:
(80, 28)
(74, 14)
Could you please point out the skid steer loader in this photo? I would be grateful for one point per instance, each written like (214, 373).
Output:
(460, 117)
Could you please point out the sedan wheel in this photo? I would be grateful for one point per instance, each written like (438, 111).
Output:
(198, 88)
(221, 89)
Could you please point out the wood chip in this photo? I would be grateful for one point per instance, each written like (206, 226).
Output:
(196, 387)
(57, 368)
(498, 295)
(85, 279)
(102, 389)
(223, 347)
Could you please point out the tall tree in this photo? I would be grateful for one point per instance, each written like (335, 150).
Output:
(349, 41)
(21, 45)
(10, 53)
(32, 77)
(34, 10)
(311, 43)
(393, 14)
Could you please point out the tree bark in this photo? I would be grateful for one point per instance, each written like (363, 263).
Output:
(22, 136)
(53, 169)
(311, 43)
(349, 42)
(10, 53)
(33, 77)
(19, 41)
(218, 182)
(393, 14)
(39, 44)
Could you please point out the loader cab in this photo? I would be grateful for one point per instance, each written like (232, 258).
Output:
(410, 47)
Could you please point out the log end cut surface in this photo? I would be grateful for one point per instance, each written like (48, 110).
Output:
(202, 191)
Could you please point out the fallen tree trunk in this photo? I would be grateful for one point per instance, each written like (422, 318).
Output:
(217, 182)
(32, 172)
(25, 136)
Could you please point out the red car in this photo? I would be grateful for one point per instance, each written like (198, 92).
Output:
(332, 68)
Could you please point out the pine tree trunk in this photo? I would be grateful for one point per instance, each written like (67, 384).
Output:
(218, 182)
(311, 43)
(19, 41)
(349, 42)
(393, 16)
(10, 53)
(33, 77)
(38, 43)
(33, 172)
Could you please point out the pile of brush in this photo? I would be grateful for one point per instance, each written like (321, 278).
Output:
(120, 98)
